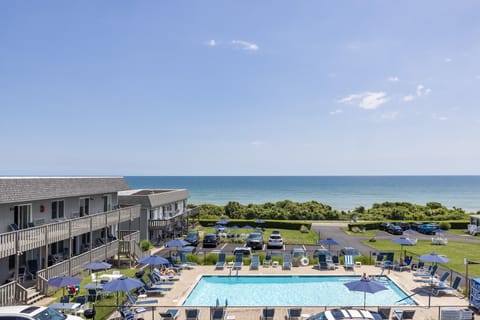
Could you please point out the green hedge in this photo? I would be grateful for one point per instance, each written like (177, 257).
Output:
(270, 224)
(454, 224)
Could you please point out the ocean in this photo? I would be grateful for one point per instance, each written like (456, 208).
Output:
(340, 192)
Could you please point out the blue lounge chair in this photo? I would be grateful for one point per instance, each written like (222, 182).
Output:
(192, 314)
(184, 263)
(238, 261)
(430, 273)
(287, 261)
(324, 264)
(379, 260)
(151, 286)
(440, 281)
(156, 281)
(267, 314)
(135, 302)
(255, 262)
(349, 262)
(454, 287)
(267, 262)
(294, 313)
(170, 314)
(218, 313)
(403, 314)
(221, 261)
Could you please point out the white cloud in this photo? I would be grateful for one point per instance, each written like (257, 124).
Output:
(408, 98)
(366, 100)
(337, 111)
(244, 45)
(422, 91)
(211, 43)
(393, 79)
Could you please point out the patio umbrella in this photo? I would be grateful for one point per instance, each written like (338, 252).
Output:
(235, 227)
(63, 281)
(365, 285)
(177, 243)
(402, 241)
(409, 231)
(223, 221)
(247, 227)
(329, 242)
(124, 284)
(433, 258)
(259, 221)
(97, 266)
(153, 260)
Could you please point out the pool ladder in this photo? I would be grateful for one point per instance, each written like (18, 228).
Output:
(230, 272)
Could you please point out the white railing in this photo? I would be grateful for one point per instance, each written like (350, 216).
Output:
(37, 237)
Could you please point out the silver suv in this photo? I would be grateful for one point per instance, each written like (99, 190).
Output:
(33, 313)
(255, 241)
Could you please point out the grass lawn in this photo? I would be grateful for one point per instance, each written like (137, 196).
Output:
(367, 233)
(289, 236)
(104, 307)
(455, 251)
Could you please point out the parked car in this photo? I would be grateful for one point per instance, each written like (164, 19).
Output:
(246, 251)
(394, 229)
(255, 241)
(33, 313)
(350, 251)
(211, 240)
(428, 228)
(415, 225)
(298, 252)
(276, 232)
(403, 225)
(193, 237)
(275, 241)
(344, 314)
(384, 226)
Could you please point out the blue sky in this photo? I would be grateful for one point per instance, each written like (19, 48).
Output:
(239, 87)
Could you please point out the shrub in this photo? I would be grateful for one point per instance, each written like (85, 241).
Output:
(444, 225)
(373, 239)
(303, 229)
(146, 245)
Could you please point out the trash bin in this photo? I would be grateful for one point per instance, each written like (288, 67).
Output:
(89, 313)
(139, 274)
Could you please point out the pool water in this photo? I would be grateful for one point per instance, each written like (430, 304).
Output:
(289, 291)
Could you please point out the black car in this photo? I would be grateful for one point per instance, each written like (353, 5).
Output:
(403, 225)
(193, 238)
(394, 229)
(255, 241)
(211, 240)
(415, 225)
(384, 226)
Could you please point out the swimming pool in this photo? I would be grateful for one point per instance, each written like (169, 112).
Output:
(289, 291)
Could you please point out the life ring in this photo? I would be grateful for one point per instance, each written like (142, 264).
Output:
(304, 261)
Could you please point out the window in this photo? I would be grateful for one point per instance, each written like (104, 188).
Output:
(84, 206)
(58, 209)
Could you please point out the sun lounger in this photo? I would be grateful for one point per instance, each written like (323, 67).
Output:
(166, 277)
(184, 263)
(324, 264)
(440, 281)
(267, 314)
(267, 262)
(403, 314)
(384, 312)
(454, 287)
(349, 262)
(135, 302)
(221, 261)
(170, 314)
(151, 286)
(192, 314)
(294, 313)
(218, 313)
(287, 261)
(238, 261)
(379, 260)
(430, 273)
(255, 262)
(156, 281)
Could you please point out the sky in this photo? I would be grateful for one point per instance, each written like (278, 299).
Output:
(239, 87)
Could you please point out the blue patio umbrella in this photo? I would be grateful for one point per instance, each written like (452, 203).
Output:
(124, 284)
(153, 260)
(235, 227)
(223, 221)
(259, 221)
(409, 231)
(433, 258)
(97, 265)
(63, 281)
(402, 241)
(247, 227)
(365, 285)
(439, 231)
(329, 242)
(177, 243)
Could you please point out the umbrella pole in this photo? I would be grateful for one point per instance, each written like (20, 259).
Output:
(364, 299)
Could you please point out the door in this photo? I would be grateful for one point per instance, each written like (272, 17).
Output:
(22, 215)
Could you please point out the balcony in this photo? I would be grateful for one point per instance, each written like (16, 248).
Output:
(162, 223)
(36, 237)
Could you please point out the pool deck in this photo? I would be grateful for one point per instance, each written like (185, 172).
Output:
(175, 297)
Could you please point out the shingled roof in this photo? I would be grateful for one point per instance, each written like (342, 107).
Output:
(23, 189)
